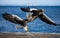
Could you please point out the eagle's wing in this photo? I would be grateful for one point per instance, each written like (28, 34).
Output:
(13, 18)
(29, 10)
(46, 19)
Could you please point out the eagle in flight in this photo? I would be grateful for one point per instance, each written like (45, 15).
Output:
(33, 14)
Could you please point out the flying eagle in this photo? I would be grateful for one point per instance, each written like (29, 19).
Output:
(35, 13)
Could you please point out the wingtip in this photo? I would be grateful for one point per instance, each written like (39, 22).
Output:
(57, 24)
(25, 9)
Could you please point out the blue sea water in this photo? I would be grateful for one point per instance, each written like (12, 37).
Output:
(35, 26)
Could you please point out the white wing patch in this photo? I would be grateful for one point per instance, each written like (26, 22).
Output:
(32, 9)
(17, 17)
(48, 18)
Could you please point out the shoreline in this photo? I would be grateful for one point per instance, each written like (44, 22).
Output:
(28, 35)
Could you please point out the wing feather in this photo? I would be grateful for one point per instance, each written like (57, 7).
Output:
(46, 19)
